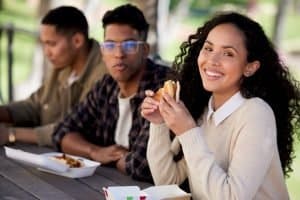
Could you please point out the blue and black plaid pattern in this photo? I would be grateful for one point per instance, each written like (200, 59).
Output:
(96, 118)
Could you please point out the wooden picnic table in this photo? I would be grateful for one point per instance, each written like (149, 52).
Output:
(23, 182)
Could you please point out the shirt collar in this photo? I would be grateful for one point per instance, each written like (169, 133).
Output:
(226, 109)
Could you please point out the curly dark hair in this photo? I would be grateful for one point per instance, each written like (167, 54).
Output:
(272, 82)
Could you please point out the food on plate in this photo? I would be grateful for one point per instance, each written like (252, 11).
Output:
(68, 160)
(171, 87)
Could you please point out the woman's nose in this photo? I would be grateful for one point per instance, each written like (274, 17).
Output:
(215, 58)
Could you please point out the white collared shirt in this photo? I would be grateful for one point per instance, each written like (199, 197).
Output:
(226, 109)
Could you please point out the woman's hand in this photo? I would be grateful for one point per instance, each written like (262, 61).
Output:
(176, 115)
(149, 108)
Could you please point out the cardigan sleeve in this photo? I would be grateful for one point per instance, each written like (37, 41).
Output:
(160, 157)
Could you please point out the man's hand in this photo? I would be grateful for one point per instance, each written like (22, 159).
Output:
(108, 154)
(121, 164)
(3, 135)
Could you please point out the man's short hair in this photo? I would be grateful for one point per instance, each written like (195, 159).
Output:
(67, 20)
(128, 15)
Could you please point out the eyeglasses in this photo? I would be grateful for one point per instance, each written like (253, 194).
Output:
(128, 47)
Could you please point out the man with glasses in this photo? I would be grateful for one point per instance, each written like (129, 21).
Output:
(107, 126)
(76, 66)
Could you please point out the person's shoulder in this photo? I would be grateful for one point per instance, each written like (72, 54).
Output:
(257, 103)
(107, 78)
(159, 68)
(107, 81)
(103, 86)
(157, 64)
(257, 108)
(93, 43)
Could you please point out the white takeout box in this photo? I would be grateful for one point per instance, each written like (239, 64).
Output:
(162, 192)
(44, 162)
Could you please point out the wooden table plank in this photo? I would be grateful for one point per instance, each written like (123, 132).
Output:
(97, 182)
(9, 190)
(70, 186)
(120, 178)
(32, 184)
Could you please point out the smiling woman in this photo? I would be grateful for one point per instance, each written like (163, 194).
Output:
(238, 101)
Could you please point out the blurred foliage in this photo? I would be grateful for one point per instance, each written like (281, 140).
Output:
(18, 14)
(173, 4)
(206, 4)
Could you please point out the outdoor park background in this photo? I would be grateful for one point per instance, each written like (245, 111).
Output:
(28, 65)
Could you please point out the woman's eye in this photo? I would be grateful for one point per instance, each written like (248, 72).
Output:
(228, 54)
(207, 49)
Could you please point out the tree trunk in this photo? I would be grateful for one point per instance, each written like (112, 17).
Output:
(149, 9)
(163, 27)
(280, 22)
(44, 7)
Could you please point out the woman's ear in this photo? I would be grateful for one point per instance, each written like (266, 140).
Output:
(251, 68)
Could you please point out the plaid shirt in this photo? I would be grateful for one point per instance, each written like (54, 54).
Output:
(96, 118)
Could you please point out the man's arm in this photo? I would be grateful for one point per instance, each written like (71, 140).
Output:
(24, 113)
(75, 144)
(26, 135)
(41, 135)
(5, 116)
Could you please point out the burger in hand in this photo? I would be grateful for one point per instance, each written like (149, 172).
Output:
(171, 87)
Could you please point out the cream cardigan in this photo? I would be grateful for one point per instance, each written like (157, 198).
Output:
(235, 159)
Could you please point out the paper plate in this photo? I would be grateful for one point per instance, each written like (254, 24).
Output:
(87, 169)
(45, 162)
(35, 160)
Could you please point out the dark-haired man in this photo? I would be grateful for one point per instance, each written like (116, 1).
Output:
(107, 126)
(76, 67)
